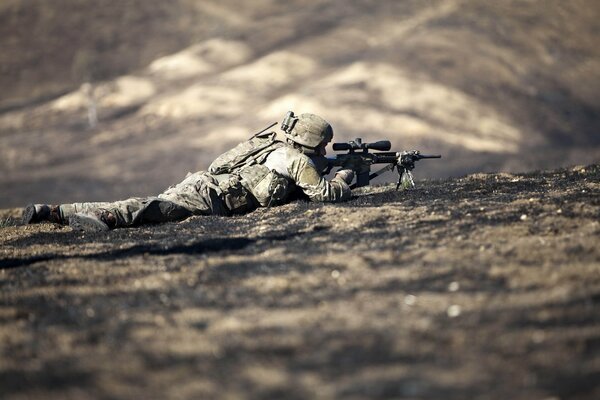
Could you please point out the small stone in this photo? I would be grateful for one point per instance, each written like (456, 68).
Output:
(453, 311)
(216, 352)
(559, 211)
(164, 298)
(523, 217)
(410, 299)
(90, 312)
(453, 286)
(335, 274)
(538, 336)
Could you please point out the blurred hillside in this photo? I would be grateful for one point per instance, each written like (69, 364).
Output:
(511, 85)
(46, 46)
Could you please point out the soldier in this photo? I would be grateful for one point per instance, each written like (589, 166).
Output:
(260, 172)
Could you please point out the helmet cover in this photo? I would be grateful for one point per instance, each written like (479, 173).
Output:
(310, 130)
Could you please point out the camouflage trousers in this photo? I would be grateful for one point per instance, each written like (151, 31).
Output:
(197, 194)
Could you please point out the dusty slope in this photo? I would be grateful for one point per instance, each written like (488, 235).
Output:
(48, 48)
(482, 287)
(493, 86)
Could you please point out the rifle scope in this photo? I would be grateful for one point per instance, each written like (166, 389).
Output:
(357, 144)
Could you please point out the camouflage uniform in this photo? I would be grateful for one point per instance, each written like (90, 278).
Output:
(267, 178)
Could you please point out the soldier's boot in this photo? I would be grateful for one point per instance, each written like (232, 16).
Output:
(35, 213)
(96, 221)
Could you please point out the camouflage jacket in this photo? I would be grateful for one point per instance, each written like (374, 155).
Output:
(266, 172)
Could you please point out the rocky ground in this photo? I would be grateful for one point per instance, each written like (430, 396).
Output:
(486, 286)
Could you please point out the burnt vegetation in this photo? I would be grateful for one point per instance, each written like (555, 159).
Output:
(483, 286)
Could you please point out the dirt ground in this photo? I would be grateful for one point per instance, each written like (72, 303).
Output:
(486, 286)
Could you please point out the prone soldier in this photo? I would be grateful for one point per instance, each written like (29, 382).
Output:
(260, 172)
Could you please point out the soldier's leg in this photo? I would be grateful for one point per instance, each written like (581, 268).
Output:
(130, 212)
(34, 213)
(199, 193)
(61, 214)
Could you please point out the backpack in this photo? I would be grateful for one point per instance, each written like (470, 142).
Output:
(253, 151)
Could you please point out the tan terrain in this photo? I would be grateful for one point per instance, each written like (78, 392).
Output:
(483, 287)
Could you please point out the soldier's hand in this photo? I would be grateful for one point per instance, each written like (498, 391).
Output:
(347, 175)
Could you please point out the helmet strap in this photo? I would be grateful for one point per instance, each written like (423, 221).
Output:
(301, 148)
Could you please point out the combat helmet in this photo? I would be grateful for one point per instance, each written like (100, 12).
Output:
(307, 130)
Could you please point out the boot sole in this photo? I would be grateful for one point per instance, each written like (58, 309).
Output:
(87, 223)
(28, 215)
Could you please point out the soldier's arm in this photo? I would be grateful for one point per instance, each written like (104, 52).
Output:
(316, 187)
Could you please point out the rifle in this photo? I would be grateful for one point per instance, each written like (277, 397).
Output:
(359, 159)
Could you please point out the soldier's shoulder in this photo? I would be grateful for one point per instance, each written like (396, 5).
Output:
(293, 154)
